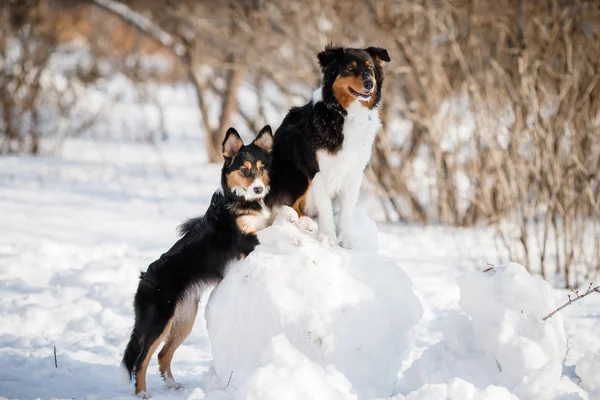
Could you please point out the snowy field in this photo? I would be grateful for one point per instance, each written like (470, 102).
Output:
(78, 226)
(410, 315)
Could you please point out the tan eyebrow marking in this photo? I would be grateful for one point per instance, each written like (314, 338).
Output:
(236, 178)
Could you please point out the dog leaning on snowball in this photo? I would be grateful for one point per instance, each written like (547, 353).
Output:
(166, 301)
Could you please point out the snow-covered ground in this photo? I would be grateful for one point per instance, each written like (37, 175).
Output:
(77, 227)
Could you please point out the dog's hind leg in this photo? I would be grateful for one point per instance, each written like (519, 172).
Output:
(149, 346)
(183, 322)
(300, 204)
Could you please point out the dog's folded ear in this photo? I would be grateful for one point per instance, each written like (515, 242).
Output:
(264, 139)
(378, 53)
(329, 55)
(232, 143)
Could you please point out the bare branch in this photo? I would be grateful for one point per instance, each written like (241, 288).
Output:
(573, 300)
(142, 23)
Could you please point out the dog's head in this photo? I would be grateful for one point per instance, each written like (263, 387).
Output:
(245, 171)
(353, 74)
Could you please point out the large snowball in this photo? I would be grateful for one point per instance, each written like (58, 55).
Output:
(286, 373)
(499, 337)
(346, 309)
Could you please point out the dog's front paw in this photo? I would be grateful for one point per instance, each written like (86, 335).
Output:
(345, 241)
(307, 224)
(144, 395)
(328, 239)
(288, 214)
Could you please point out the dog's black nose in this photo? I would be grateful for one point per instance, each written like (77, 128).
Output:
(258, 190)
(368, 84)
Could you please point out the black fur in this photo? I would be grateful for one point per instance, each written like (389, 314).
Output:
(313, 127)
(207, 245)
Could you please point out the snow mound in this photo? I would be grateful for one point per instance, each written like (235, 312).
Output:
(499, 338)
(587, 370)
(346, 310)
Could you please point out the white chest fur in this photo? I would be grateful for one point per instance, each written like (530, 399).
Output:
(360, 127)
(254, 223)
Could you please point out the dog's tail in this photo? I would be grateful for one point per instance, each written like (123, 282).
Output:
(132, 353)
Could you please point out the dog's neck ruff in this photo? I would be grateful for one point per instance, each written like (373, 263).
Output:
(236, 204)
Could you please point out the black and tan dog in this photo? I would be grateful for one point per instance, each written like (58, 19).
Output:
(322, 148)
(166, 301)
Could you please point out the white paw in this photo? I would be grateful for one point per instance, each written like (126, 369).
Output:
(143, 395)
(307, 224)
(172, 384)
(289, 214)
(345, 242)
(327, 239)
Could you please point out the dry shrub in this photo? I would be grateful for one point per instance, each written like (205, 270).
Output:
(25, 49)
(529, 73)
(36, 101)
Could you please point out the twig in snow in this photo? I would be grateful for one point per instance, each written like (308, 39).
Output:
(572, 300)
(490, 267)
(55, 360)
(229, 381)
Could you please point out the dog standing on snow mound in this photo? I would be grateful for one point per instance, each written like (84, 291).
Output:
(322, 148)
(166, 301)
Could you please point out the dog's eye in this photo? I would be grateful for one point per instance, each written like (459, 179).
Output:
(350, 68)
(244, 170)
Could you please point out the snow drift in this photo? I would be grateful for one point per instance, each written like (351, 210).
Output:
(499, 338)
(342, 319)
(587, 369)
(457, 389)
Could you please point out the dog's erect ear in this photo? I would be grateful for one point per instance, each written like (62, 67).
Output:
(264, 140)
(329, 55)
(378, 53)
(232, 143)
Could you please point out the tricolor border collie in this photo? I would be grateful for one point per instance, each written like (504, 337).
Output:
(166, 301)
(322, 148)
